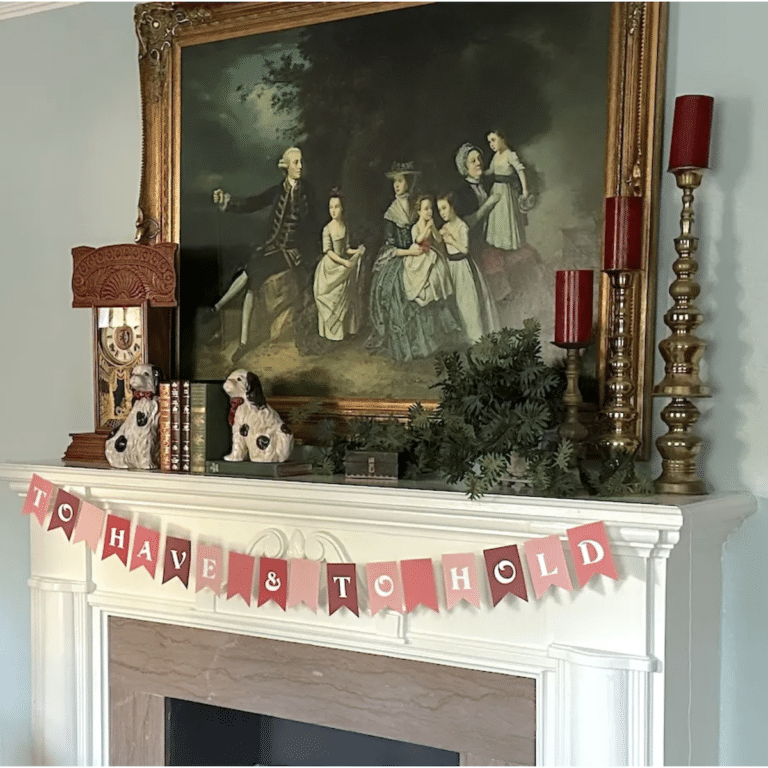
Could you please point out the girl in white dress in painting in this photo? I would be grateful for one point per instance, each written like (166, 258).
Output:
(336, 276)
(426, 277)
(505, 221)
(477, 310)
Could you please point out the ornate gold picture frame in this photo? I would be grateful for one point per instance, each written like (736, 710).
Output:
(256, 58)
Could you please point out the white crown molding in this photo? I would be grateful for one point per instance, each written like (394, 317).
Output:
(12, 10)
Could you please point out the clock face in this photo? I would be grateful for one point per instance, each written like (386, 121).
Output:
(119, 346)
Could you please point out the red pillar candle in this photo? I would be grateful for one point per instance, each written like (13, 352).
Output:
(622, 244)
(573, 306)
(690, 132)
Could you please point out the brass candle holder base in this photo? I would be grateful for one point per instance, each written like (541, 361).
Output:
(571, 428)
(682, 351)
(618, 440)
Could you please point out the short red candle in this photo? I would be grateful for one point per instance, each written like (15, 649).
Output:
(573, 306)
(690, 132)
(622, 244)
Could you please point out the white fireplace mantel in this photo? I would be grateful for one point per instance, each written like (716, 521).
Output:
(626, 672)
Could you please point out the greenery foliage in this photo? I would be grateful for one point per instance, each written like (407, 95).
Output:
(496, 423)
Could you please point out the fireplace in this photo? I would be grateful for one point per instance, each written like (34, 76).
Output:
(619, 672)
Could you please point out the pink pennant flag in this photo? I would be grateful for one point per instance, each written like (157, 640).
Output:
(210, 561)
(116, 538)
(460, 577)
(385, 589)
(38, 498)
(89, 525)
(273, 581)
(303, 582)
(146, 547)
(178, 553)
(66, 508)
(591, 552)
(505, 573)
(546, 563)
(419, 584)
(342, 587)
(240, 578)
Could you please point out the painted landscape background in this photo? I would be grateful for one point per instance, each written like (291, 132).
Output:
(356, 95)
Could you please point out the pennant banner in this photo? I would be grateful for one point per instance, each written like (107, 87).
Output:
(65, 511)
(400, 586)
(273, 581)
(505, 573)
(38, 498)
(385, 589)
(342, 587)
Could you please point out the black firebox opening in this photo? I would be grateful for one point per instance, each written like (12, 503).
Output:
(201, 734)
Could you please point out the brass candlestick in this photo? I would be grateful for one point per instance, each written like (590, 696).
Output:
(682, 351)
(619, 413)
(571, 428)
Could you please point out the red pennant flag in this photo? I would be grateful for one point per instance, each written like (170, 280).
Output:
(146, 547)
(38, 498)
(240, 579)
(65, 511)
(505, 573)
(89, 525)
(546, 563)
(342, 587)
(591, 552)
(304, 583)
(273, 581)
(460, 578)
(210, 561)
(116, 538)
(178, 553)
(419, 584)
(385, 589)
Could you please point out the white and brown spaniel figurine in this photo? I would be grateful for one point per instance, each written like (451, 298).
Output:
(258, 432)
(135, 444)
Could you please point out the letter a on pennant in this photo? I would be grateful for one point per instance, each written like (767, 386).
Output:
(546, 563)
(342, 587)
(146, 546)
(591, 552)
(66, 508)
(273, 581)
(419, 584)
(178, 553)
(38, 498)
(116, 538)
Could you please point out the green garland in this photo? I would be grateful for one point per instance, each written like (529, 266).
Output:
(499, 409)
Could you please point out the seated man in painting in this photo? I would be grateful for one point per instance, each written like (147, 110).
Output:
(279, 270)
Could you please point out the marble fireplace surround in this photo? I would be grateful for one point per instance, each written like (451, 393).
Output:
(624, 673)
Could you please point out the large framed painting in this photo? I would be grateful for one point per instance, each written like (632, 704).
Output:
(357, 186)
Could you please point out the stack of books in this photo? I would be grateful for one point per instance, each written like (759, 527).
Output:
(195, 434)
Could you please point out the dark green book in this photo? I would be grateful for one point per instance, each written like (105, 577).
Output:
(258, 468)
(210, 434)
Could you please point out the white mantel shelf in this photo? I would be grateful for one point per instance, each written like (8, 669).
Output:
(627, 672)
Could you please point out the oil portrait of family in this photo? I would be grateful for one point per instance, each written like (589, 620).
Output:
(359, 195)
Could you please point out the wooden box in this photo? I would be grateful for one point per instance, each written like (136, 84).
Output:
(371, 465)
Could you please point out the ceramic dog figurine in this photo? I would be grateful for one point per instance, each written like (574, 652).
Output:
(258, 432)
(135, 444)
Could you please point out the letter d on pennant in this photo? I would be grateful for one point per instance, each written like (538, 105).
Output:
(591, 552)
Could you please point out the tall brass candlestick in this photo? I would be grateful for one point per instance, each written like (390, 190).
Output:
(619, 413)
(572, 429)
(682, 352)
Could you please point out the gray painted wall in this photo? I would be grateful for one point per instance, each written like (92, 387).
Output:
(70, 162)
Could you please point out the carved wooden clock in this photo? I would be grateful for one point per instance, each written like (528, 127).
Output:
(131, 290)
